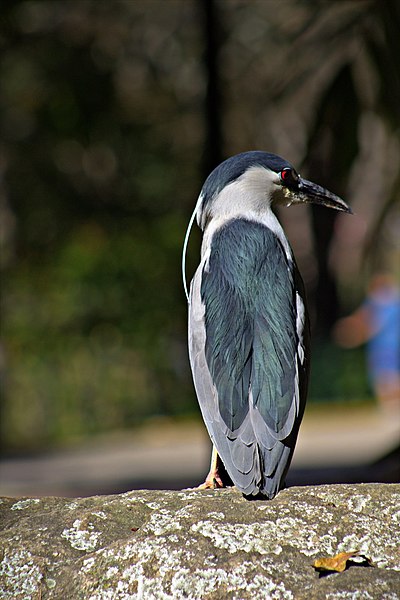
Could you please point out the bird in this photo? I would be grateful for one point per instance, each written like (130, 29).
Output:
(248, 325)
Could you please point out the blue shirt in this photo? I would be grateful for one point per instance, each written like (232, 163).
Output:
(383, 347)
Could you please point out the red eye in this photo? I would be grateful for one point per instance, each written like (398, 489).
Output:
(289, 177)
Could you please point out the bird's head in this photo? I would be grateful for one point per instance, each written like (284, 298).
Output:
(250, 182)
(246, 185)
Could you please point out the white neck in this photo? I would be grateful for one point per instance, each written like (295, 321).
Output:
(248, 197)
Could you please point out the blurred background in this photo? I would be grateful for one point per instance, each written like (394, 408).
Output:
(112, 115)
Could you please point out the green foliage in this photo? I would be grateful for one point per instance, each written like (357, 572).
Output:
(94, 314)
(94, 336)
(338, 375)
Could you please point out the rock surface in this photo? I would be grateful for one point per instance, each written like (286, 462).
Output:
(201, 544)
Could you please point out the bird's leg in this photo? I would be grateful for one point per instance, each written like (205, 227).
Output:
(213, 479)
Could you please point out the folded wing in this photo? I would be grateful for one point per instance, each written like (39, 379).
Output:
(247, 343)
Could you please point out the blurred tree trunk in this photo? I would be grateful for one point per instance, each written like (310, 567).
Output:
(213, 152)
(386, 57)
(332, 149)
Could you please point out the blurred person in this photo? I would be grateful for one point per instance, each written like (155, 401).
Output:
(377, 323)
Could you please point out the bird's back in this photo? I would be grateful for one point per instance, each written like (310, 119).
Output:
(248, 337)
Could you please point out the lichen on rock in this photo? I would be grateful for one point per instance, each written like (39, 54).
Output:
(201, 544)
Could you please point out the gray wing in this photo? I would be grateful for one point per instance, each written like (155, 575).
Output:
(247, 345)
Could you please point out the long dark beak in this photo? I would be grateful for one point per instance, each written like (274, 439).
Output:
(312, 193)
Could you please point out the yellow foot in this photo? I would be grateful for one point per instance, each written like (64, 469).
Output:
(213, 479)
(212, 482)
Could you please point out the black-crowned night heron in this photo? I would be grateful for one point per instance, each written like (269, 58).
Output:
(248, 322)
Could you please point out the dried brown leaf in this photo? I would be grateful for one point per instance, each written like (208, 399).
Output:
(336, 563)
